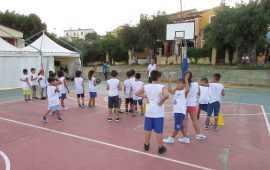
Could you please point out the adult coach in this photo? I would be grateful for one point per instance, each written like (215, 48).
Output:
(104, 69)
(152, 66)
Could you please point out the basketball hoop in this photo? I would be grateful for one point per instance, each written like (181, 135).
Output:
(178, 40)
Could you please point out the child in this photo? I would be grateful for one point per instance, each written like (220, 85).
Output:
(42, 84)
(63, 89)
(53, 100)
(113, 85)
(216, 90)
(156, 94)
(132, 78)
(25, 85)
(127, 91)
(204, 96)
(179, 109)
(79, 88)
(137, 85)
(34, 83)
(92, 88)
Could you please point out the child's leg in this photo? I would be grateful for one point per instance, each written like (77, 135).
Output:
(209, 113)
(28, 96)
(174, 134)
(116, 112)
(94, 102)
(147, 137)
(110, 112)
(41, 92)
(47, 112)
(78, 99)
(195, 123)
(120, 103)
(141, 106)
(159, 139)
(198, 113)
(62, 103)
(83, 101)
(57, 112)
(216, 111)
(126, 103)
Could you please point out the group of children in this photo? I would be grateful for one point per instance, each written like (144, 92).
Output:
(154, 94)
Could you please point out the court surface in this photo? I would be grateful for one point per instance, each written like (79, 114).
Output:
(85, 140)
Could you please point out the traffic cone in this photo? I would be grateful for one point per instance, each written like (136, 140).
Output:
(220, 120)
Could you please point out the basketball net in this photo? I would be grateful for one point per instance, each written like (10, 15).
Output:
(178, 40)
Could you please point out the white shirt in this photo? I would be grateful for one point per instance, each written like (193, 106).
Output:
(192, 94)
(53, 98)
(204, 95)
(151, 67)
(25, 86)
(42, 81)
(33, 82)
(92, 87)
(137, 85)
(79, 85)
(62, 87)
(179, 102)
(127, 85)
(113, 87)
(215, 90)
(154, 95)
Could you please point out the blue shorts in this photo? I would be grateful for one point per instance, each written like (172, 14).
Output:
(63, 96)
(54, 108)
(80, 95)
(203, 107)
(179, 121)
(135, 102)
(154, 123)
(213, 107)
(93, 94)
(113, 102)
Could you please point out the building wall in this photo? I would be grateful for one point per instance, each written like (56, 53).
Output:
(77, 34)
(12, 36)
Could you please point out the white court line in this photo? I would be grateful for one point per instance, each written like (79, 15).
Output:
(235, 114)
(107, 144)
(6, 160)
(266, 119)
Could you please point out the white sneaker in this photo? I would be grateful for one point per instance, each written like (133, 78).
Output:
(200, 136)
(168, 140)
(184, 140)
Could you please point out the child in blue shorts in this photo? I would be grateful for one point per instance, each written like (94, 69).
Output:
(204, 96)
(92, 88)
(216, 90)
(156, 95)
(179, 109)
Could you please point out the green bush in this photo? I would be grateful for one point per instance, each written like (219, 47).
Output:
(198, 53)
(119, 54)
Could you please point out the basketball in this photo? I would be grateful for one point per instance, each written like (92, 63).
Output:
(98, 80)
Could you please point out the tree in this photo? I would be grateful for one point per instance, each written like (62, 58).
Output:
(91, 36)
(240, 27)
(108, 43)
(129, 38)
(28, 24)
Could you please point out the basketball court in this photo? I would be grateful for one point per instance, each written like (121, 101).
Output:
(85, 140)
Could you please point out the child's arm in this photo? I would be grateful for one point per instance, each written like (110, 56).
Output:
(39, 81)
(56, 89)
(27, 81)
(199, 92)
(140, 93)
(95, 83)
(223, 92)
(165, 94)
(65, 84)
(108, 87)
(170, 87)
(119, 86)
(83, 86)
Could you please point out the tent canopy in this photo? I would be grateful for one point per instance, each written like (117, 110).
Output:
(49, 48)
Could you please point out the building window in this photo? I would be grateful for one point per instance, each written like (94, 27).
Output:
(211, 18)
(74, 34)
(67, 34)
(81, 33)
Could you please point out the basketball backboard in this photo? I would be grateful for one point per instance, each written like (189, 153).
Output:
(185, 30)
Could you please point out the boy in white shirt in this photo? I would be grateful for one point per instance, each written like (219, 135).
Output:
(33, 78)
(113, 86)
(127, 91)
(53, 100)
(179, 109)
(156, 95)
(79, 88)
(137, 85)
(42, 84)
(204, 96)
(25, 85)
(216, 90)
(63, 88)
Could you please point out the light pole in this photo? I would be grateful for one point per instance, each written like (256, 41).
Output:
(181, 17)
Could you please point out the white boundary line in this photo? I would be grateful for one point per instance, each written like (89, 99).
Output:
(266, 119)
(107, 144)
(6, 160)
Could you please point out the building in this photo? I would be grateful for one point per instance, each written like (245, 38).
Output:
(77, 33)
(12, 36)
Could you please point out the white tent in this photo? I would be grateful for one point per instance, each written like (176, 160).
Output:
(12, 61)
(54, 56)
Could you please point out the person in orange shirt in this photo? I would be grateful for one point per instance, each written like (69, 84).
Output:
(260, 59)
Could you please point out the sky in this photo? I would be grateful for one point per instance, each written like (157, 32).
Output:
(100, 15)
